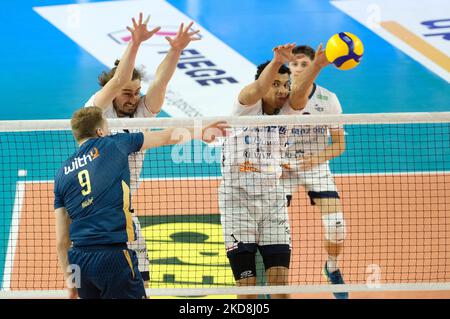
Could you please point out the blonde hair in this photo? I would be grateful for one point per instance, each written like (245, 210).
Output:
(86, 121)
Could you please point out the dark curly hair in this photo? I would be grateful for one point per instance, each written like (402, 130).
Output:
(282, 70)
(104, 77)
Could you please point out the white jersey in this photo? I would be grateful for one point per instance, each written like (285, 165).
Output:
(310, 139)
(135, 160)
(251, 157)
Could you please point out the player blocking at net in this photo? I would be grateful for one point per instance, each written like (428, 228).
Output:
(92, 205)
(252, 203)
(309, 151)
(120, 97)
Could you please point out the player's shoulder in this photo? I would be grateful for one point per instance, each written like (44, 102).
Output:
(243, 109)
(108, 112)
(119, 139)
(90, 101)
(142, 110)
(322, 93)
(114, 139)
(327, 100)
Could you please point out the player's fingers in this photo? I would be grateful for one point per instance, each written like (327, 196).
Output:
(140, 18)
(134, 23)
(147, 19)
(189, 26)
(129, 29)
(287, 47)
(318, 49)
(152, 32)
(286, 55)
(180, 29)
(224, 131)
(223, 126)
(169, 39)
(193, 32)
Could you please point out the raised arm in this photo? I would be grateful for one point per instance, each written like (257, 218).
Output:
(63, 244)
(180, 135)
(255, 91)
(300, 84)
(154, 99)
(124, 72)
(334, 149)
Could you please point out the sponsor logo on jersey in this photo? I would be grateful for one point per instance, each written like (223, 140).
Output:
(82, 161)
(87, 202)
(319, 108)
(322, 97)
(248, 167)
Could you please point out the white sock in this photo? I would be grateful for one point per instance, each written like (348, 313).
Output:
(332, 264)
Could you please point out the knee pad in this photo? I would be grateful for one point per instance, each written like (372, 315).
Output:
(334, 224)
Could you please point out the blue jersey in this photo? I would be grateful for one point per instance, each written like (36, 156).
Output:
(93, 186)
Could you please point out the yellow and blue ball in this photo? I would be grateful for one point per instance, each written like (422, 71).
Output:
(344, 50)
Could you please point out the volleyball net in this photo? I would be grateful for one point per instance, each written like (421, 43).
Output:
(392, 181)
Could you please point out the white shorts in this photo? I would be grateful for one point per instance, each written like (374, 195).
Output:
(140, 247)
(253, 219)
(318, 180)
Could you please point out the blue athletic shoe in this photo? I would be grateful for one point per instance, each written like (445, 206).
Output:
(335, 278)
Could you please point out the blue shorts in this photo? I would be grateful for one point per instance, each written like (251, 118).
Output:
(107, 272)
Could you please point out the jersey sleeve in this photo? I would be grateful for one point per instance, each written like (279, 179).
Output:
(288, 110)
(90, 102)
(129, 142)
(335, 105)
(240, 109)
(143, 111)
(59, 199)
(108, 112)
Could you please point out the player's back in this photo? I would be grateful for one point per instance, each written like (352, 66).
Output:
(93, 186)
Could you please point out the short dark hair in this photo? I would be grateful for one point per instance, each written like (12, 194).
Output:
(86, 121)
(306, 50)
(104, 77)
(282, 70)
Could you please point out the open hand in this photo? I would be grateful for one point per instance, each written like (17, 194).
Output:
(139, 32)
(283, 53)
(320, 58)
(183, 37)
(214, 130)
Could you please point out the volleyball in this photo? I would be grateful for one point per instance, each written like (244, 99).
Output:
(344, 50)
